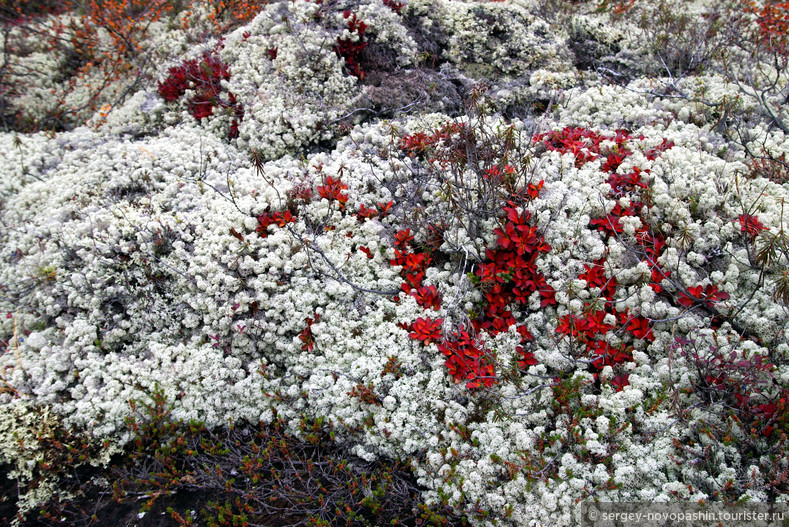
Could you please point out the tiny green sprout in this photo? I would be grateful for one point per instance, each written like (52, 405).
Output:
(694, 205)
(48, 273)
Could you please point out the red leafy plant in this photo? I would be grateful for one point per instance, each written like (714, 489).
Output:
(427, 297)
(413, 267)
(507, 276)
(589, 331)
(204, 77)
(403, 238)
(751, 225)
(379, 211)
(706, 296)
(420, 143)
(526, 358)
(332, 189)
(351, 48)
(280, 219)
(306, 337)
(585, 145)
(394, 5)
(468, 360)
(426, 330)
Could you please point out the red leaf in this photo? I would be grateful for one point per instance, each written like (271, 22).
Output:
(751, 225)
(426, 330)
(620, 381)
(427, 297)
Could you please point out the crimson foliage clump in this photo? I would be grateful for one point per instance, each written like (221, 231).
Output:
(350, 49)
(204, 77)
